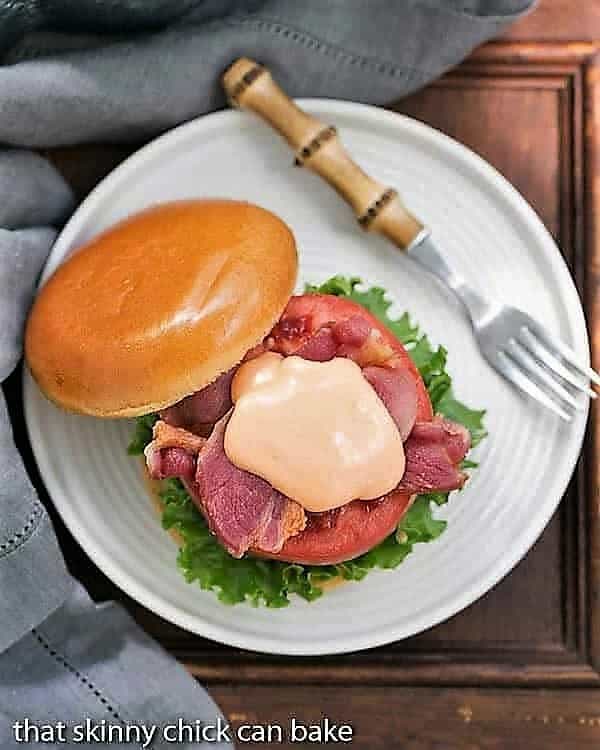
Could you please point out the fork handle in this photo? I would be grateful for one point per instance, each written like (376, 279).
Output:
(378, 208)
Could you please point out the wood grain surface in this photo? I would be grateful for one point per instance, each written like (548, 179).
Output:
(520, 667)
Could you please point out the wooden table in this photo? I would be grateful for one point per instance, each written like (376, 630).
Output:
(519, 668)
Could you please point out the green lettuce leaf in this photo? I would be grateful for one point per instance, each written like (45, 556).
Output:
(271, 582)
(142, 434)
(203, 559)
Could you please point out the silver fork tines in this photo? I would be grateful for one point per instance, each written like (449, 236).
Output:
(543, 377)
(513, 372)
(545, 350)
(518, 347)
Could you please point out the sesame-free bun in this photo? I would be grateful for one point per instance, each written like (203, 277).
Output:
(159, 305)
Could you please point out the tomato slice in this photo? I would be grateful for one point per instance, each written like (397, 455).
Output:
(347, 532)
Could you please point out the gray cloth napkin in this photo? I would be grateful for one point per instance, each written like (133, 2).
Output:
(124, 70)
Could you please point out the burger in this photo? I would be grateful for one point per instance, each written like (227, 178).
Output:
(293, 437)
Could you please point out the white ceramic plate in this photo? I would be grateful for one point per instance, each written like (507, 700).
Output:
(491, 236)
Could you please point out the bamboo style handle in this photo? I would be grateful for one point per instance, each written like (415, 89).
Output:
(378, 208)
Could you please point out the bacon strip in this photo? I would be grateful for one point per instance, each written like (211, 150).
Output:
(172, 452)
(242, 510)
(397, 389)
(198, 412)
(433, 453)
(321, 347)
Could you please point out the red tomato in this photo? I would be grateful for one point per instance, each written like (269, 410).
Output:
(347, 532)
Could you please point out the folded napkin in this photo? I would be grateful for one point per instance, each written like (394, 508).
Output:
(73, 71)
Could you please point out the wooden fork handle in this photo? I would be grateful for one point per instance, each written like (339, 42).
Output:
(378, 208)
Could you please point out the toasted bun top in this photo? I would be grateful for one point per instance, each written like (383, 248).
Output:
(159, 305)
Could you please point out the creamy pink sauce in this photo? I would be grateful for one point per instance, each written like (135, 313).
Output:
(316, 431)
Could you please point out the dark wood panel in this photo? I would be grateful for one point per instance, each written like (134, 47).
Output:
(592, 298)
(84, 166)
(559, 21)
(499, 123)
(427, 719)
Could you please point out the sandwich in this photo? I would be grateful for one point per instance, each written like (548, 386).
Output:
(293, 435)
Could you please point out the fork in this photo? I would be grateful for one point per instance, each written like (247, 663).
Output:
(513, 343)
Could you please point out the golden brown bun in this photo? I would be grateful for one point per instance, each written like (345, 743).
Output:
(159, 305)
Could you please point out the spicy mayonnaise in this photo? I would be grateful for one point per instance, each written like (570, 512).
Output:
(316, 431)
